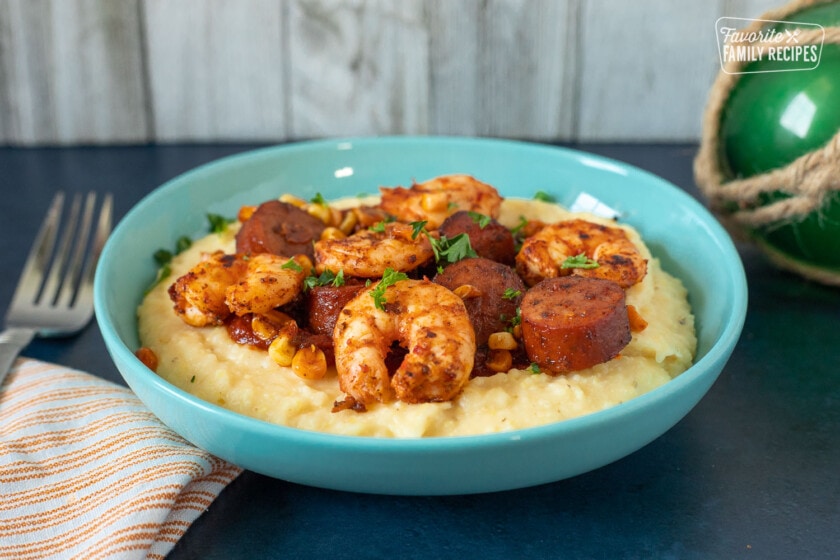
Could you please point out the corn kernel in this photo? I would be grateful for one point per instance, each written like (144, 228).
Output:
(304, 262)
(502, 341)
(293, 200)
(310, 363)
(263, 327)
(335, 217)
(245, 213)
(467, 291)
(282, 351)
(348, 222)
(332, 233)
(319, 211)
(499, 360)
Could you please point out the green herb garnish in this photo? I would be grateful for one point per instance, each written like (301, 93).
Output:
(535, 368)
(218, 223)
(291, 264)
(510, 293)
(579, 261)
(389, 278)
(326, 278)
(318, 199)
(514, 321)
(543, 196)
(482, 220)
(162, 257)
(452, 250)
(182, 244)
(523, 221)
(417, 228)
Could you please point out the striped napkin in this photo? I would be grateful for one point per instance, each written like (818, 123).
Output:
(86, 471)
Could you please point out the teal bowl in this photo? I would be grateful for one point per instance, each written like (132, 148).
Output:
(680, 232)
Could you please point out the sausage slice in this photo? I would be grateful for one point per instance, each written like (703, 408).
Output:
(323, 304)
(573, 323)
(491, 240)
(279, 228)
(498, 293)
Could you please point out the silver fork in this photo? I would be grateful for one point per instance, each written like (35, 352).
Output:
(54, 296)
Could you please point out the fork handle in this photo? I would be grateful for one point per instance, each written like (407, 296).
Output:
(12, 341)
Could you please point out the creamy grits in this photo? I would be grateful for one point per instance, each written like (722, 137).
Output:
(207, 363)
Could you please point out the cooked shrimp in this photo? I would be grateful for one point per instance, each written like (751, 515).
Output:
(438, 198)
(611, 254)
(368, 253)
(268, 282)
(199, 295)
(223, 284)
(428, 320)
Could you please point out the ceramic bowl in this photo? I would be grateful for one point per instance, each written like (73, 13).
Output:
(679, 231)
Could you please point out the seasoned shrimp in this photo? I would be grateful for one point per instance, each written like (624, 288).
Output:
(610, 253)
(223, 284)
(428, 320)
(438, 198)
(269, 281)
(368, 253)
(199, 295)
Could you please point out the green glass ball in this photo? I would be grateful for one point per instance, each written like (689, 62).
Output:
(770, 119)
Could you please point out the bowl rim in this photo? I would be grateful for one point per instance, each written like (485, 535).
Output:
(717, 354)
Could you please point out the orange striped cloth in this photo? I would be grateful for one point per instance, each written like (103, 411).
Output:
(86, 471)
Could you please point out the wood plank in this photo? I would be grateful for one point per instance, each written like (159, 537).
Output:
(526, 69)
(71, 72)
(358, 68)
(646, 68)
(216, 69)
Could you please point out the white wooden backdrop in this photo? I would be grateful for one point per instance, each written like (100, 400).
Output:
(133, 71)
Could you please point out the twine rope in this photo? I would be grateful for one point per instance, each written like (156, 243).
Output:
(806, 181)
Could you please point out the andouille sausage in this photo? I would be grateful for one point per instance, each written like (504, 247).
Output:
(493, 241)
(498, 292)
(572, 323)
(323, 304)
(279, 228)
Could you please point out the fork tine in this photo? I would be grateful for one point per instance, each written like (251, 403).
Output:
(52, 285)
(70, 281)
(103, 230)
(32, 276)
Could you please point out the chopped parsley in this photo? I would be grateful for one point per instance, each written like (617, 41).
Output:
(510, 293)
(318, 199)
(544, 196)
(579, 261)
(218, 223)
(182, 244)
(163, 259)
(449, 250)
(535, 368)
(452, 250)
(523, 221)
(512, 322)
(326, 278)
(417, 228)
(482, 220)
(389, 278)
(291, 264)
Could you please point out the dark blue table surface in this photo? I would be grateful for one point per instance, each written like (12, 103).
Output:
(752, 472)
